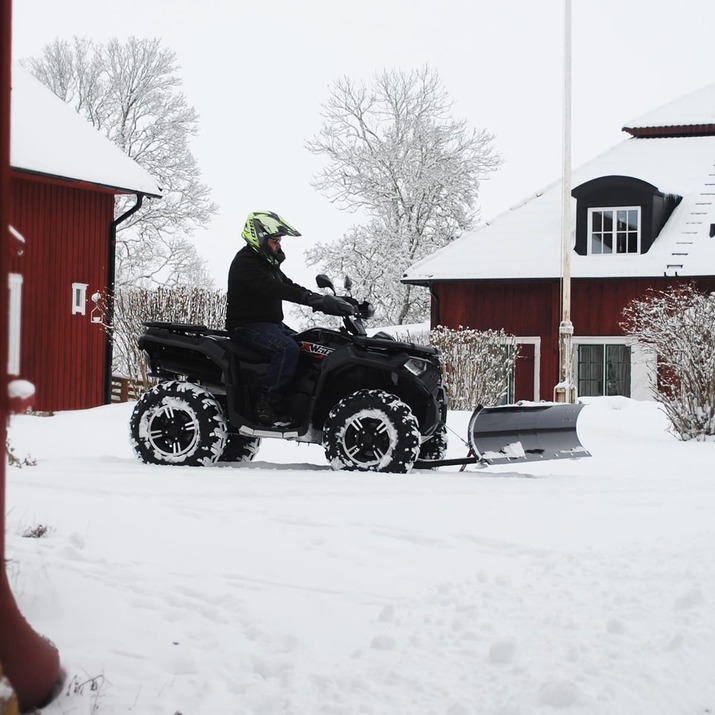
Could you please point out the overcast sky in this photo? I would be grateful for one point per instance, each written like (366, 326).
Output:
(257, 73)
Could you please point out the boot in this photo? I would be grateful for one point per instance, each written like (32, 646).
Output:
(268, 415)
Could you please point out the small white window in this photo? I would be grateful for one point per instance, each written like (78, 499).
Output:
(614, 230)
(15, 319)
(79, 298)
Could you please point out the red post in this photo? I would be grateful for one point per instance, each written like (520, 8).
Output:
(30, 662)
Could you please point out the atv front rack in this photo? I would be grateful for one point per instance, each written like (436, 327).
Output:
(519, 433)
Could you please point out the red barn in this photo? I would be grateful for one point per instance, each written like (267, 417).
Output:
(644, 217)
(65, 176)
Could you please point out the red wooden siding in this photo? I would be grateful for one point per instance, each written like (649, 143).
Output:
(521, 308)
(66, 232)
(597, 305)
(531, 308)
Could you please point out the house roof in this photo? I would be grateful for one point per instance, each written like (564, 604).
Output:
(688, 114)
(48, 137)
(525, 241)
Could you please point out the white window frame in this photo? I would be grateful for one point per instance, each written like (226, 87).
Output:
(79, 298)
(644, 364)
(614, 209)
(534, 340)
(15, 324)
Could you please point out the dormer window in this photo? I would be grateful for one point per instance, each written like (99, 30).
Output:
(614, 230)
(619, 215)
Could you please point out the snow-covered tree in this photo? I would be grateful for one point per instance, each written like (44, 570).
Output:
(397, 155)
(678, 327)
(131, 93)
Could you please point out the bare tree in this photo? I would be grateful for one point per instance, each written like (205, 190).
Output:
(131, 93)
(396, 154)
(678, 327)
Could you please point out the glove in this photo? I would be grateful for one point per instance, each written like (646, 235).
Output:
(332, 305)
(329, 304)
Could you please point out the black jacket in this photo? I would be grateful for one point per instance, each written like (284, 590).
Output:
(257, 289)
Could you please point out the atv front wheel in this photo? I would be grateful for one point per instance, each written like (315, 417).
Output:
(178, 423)
(371, 430)
(240, 448)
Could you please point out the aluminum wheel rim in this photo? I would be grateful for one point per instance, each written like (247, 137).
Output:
(366, 441)
(173, 431)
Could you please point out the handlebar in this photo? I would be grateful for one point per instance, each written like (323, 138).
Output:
(353, 323)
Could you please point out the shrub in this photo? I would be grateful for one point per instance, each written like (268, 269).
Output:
(678, 326)
(477, 365)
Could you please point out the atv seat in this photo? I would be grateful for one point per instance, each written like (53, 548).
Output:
(242, 352)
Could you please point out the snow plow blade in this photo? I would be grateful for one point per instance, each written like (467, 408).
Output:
(525, 433)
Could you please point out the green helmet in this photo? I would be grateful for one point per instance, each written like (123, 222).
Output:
(262, 225)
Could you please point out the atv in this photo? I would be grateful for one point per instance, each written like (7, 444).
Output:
(374, 403)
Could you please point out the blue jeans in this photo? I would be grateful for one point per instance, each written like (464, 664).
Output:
(276, 341)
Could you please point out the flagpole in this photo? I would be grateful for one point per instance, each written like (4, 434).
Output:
(565, 390)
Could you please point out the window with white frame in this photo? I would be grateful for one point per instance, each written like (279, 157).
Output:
(614, 230)
(79, 298)
(15, 324)
(508, 397)
(604, 370)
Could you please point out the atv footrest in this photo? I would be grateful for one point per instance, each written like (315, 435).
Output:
(284, 432)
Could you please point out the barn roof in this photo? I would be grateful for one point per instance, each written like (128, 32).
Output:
(49, 138)
(525, 241)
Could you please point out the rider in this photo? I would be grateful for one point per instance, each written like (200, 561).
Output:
(257, 288)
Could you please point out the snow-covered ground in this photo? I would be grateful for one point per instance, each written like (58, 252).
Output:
(584, 586)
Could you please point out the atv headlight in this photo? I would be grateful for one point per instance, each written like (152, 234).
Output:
(416, 366)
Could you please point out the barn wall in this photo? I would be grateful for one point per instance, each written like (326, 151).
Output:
(66, 230)
(521, 308)
(531, 308)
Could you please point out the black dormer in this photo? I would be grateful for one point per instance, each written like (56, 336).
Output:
(615, 191)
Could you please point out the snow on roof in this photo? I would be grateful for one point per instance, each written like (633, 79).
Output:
(697, 108)
(48, 137)
(525, 241)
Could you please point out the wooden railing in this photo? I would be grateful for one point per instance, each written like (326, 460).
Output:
(125, 389)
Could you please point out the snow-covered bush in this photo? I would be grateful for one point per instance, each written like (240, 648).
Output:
(477, 365)
(132, 307)
(678, 326)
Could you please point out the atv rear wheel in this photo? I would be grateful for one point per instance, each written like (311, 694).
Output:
(240, 448)
(371, 430)
(178, 423)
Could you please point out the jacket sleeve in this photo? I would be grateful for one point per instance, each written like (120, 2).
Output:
(301, 294)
